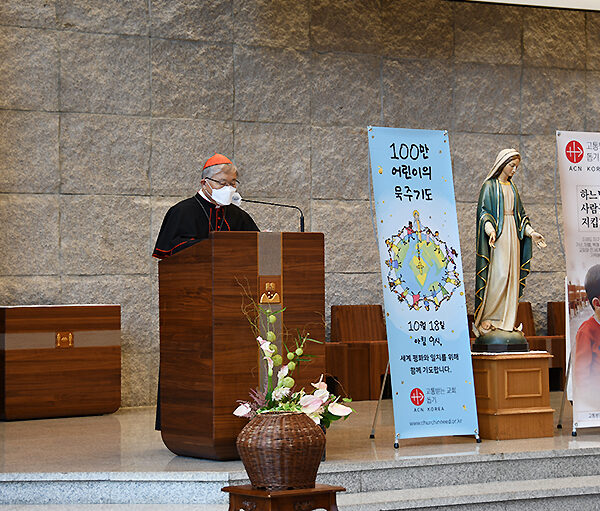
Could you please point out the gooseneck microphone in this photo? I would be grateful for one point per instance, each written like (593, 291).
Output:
(281, 206)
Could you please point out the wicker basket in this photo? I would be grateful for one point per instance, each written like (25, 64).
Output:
(281, 450)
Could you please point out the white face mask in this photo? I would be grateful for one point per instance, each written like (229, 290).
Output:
(225, 196)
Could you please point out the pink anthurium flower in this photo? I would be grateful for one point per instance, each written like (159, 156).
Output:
(310, 404)
(322, 394)
(320, 384)
(339, 409)
(283, 372)
(243, 410)
(270, 364)
(265, 346)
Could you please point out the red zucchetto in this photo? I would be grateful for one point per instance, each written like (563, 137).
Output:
(217, 159)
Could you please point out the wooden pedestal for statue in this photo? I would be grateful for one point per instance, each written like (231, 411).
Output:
(513, 396)
(208, 354)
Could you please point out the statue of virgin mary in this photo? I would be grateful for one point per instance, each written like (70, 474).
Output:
(504, 246)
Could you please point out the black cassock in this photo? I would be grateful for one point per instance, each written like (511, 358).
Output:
(191, 221)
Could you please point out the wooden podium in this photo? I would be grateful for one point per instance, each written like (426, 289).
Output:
(208, 354)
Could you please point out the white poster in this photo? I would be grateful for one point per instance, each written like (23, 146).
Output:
(579, 167)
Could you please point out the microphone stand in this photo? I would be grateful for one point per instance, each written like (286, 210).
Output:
(280, 205)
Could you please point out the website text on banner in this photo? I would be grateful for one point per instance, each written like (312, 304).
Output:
(423, 285)
(579, 167)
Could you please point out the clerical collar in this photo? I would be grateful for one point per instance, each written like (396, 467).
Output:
(203, 195)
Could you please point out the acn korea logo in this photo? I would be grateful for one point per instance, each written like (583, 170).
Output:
(574, 151)
(417, 397)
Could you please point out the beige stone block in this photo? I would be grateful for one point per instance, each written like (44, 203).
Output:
(104, 73)
(554, 38)
(417, 28)
(29, 152)
(139, 374)
(487, 98)
(159, 208)
(469, 280)
(28, 13)
(282, 23)
(417, 94)
(128, 17)
(271, 84)
(105, 234)
(104, 154)
(345, 25)
(137, 296)
(536, 174)
(20, 290)
(473, 155)
(541, 288)
(279, 219)
(352, 289)
(543, 219)
(345, 89)
(28, 69)
(487, 33)
(466, 213)
(274, 159)
(196, 20)
(192, 79)
(340, 163)
(29, 234)
(592, 107)
(350, 245)
(593, 40)
(552, 99)
(180, 147)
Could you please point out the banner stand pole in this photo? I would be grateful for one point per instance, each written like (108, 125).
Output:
(387, 371)
(564, 398)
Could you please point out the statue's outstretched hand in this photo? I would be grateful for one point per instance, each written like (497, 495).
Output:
(493, 239)
(538, 239)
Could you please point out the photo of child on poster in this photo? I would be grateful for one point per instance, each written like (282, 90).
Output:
(586, 362)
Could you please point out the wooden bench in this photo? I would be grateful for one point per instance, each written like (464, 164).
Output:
(357, 355)
(553, 343)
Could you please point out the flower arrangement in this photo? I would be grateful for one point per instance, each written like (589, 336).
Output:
(320, 405)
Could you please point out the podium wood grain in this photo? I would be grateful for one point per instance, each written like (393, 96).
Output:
(209, 356)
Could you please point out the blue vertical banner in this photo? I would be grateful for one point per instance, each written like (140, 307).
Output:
(423, 285)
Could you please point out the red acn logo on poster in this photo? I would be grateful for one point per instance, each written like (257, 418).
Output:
(574, 151)
(417, 397)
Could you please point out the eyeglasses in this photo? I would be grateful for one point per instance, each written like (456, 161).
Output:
(224, 183)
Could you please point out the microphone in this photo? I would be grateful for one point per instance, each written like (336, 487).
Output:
(281, 206)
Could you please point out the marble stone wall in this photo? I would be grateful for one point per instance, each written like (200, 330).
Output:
(108, 109)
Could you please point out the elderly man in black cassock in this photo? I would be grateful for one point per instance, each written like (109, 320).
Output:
(213, 208)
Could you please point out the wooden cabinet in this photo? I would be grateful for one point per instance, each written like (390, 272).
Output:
(58, 361)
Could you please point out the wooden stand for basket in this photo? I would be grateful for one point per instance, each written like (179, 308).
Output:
(322, 496)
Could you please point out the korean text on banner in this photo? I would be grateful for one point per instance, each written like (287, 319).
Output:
(423, 285)
(579, 166)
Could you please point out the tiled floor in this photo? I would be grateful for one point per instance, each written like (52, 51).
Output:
(127, 442)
